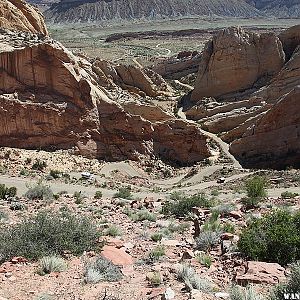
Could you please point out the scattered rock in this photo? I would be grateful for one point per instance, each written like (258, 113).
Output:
(261, 272)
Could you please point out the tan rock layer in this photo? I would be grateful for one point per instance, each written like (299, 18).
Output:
(53, 101)
(20, 16)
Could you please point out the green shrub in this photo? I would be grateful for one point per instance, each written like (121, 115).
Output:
(3, 215)
(50, 264)
(124, 193)
(204, 259)
(156, 253)
(48, 233)
(228, 227)
(39, 192)
(79, 197)
(6, 192)
(156, 237)
(98, 195)
(113, 230)
(292, 285)
(256, 187)
(181, 205)
(142, 215)
(102, 270)
(289, 195)
(39, 165)
(273, 238)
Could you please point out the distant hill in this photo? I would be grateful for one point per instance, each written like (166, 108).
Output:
(102, 10)
(278, 8)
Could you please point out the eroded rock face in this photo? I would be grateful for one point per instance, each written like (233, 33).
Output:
(20, 16)
(52, 99)
(135, 79)
(236, 60)
(290, 39)
(274, 140)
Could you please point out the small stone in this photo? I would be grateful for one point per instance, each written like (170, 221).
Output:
(169, 294)
(236, 215)
(222, 295)
(172, 243)
(188, 254)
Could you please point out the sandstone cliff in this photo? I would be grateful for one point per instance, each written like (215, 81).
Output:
(235, 98)
(52, 99)
(236, 60)
(18, 15)
(274, 140)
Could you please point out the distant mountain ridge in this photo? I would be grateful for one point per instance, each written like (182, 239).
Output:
(278, 8)
(93, 11)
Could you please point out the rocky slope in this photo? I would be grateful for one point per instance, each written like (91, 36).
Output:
(18, 15)
(87, 11)
(278, 8)
(238, 91)
(52, 99)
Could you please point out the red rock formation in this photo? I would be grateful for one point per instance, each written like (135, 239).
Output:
(53, 101)
(274, 140)
(236, 60)
(20, 16)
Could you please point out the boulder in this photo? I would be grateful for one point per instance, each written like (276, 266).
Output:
(19, 15)
(261, 273)
(236, 60)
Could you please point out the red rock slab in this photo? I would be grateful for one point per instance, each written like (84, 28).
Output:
(117, 256)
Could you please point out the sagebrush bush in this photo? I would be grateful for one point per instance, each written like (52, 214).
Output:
(39, 192)
(248, 293)
(6, 192)
(102, 270)
(207, 239)
(142, 215)
(273, 238)
(181, 205)
(50, 264)
(192, 280)
(48, 233)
